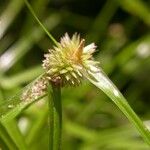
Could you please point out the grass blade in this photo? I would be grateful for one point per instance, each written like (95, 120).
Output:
(9, 15)
(13, 107)
(101, 81)
(15, 134)
(37, 127)
(6, 138)
(138, 8)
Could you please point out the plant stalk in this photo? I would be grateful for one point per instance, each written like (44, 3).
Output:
(51, 116)
(55, 116)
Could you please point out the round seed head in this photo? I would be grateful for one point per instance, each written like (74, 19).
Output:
(69, 60)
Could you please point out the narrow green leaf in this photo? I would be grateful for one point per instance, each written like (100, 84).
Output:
(18, 108)
(38, 125)
(6, 138)
(138, 8)
(101, 81)
(9, 14)
(15, 134)
(21, 78)
(102, 20)
(14, 106)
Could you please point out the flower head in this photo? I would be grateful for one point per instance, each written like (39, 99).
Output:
(67, 62)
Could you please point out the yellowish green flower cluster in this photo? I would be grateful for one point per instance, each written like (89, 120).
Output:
(66, 62)
(64, 65)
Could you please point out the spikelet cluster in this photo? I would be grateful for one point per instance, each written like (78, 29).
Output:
(64, 65)
(67, 61)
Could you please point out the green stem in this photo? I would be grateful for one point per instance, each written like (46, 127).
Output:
(55, 110)
(55, 117)
(39, 22)
(51, 117)
(101, 81)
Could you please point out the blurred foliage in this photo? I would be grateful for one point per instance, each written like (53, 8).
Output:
(120, 29)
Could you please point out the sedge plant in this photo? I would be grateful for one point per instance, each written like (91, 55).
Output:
(67, 63)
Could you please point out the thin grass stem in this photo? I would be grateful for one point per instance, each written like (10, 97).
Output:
(57, 117)
(40, 23)
(51, 117)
